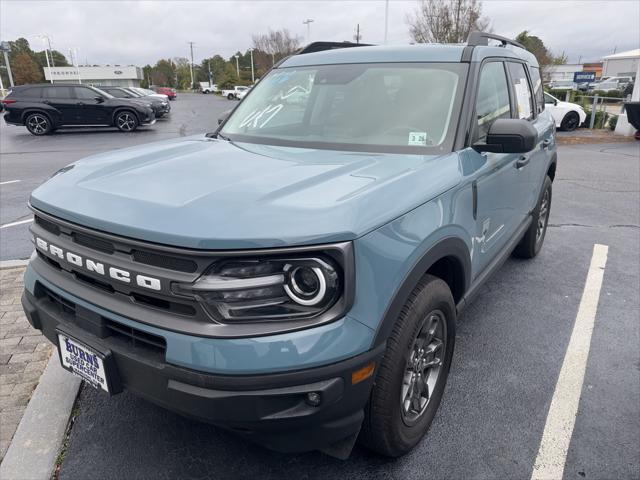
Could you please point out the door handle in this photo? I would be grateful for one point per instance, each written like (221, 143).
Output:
(522, 161)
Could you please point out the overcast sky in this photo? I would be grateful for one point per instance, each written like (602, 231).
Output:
(124, 32)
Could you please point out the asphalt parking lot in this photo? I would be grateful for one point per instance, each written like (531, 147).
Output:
(510, 345)
(31, 160)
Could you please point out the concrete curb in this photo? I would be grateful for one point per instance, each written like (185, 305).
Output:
(36, 443)
(13, 263)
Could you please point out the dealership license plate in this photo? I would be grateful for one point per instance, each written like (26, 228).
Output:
(83, 362)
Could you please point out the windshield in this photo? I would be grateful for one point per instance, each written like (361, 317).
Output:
(364, 107)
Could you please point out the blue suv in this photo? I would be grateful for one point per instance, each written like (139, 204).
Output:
(295, 276)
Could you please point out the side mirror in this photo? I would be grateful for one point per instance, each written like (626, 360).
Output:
(98, 99)
(223, 116)
(509, 135)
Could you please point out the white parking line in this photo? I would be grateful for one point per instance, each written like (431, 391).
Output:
(9, 181)
(552, 454)
(13, 224)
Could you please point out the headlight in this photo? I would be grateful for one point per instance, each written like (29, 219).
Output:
(270, 288)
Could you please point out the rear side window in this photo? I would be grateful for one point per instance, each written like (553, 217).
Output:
(537, 87)
(34, 92)
(116, 93)
(492, 101)
(523, 96)
(57, 93)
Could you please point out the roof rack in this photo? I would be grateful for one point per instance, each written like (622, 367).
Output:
(477, 39)
(321, 46)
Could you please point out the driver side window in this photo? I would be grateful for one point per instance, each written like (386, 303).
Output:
(492, 101)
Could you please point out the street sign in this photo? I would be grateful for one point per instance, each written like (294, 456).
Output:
(5, 47)
(584, 77)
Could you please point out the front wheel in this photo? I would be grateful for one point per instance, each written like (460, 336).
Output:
(126, 121)
(230, 96)
(532, 241)
(570, 122)
(38, 124)
(413, 372)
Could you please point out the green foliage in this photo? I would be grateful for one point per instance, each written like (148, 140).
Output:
(600, 120)
(613, 121)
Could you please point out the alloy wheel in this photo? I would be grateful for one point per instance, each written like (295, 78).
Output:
(38, 124)
(543, 215)
(423, 366)
(126, 122)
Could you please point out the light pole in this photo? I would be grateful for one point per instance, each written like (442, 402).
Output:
(253, 77)
(46, 37)
(237, 66)
(308, 23)
(191, 65)
(73, 53)
(386, 20)
(4, 46)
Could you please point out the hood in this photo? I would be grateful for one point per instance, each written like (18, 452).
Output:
(568, 105)
(206, 193)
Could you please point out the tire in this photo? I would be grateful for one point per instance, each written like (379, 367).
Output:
(230, 96)
(392, 427)
(532, 241)
(38, 124)
(570, 122)
(126, 121)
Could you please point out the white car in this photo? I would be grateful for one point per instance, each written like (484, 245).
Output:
(149, 93)
(233, 93)
(568, 116)
(242, 93)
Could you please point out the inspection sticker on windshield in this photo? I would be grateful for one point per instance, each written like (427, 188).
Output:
(417, 138)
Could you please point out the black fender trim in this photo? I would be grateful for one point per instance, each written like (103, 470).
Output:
(447, 247)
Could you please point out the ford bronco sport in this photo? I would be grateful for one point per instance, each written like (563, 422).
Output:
(295, 276)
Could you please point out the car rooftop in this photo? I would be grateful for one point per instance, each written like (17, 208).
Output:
(431, 52)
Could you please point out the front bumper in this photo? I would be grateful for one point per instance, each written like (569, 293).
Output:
(270, 409)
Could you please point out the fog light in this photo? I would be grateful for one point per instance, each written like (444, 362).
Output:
(314, 399)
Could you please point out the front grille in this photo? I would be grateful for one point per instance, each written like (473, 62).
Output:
(165, 261)
(47, 225)
(136, 338)
(93, 243)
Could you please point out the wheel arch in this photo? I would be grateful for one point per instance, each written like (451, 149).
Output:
(121, 109)
(551, 170)
(29, 111)
(450, 260)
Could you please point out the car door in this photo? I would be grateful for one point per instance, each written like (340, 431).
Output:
(545, 124)
(91, 106)
(60, 98)
(499, 207)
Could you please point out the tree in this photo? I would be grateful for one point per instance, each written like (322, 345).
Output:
(276, 44)
(446, 21)
(164, 74)
(544, 56)
(25, 69)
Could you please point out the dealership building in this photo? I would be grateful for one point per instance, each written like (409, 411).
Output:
(116, 75)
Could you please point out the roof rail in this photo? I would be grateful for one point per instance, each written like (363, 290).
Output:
(477, 38)
(321, 46)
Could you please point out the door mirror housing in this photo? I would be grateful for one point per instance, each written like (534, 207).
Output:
(509, 135)
(98, 99)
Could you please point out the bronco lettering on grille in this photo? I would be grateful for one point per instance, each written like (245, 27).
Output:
(94, 266)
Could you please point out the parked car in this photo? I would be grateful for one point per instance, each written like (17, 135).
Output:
(296, 275)
(169, 92)
(148, 93)
(608, 84)
(567, 116)
(206, 87)
(160, 107)
(45, 108)
(562, 85)
(233, 93)
(242, 93)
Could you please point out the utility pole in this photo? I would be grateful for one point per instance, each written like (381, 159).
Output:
(357, 36)
(308, 23)
(5, 50)
(386, 20)
(74, 61)
(191, 47)
(209, 67)
(253, 77)
(237, 66)
(43, 37)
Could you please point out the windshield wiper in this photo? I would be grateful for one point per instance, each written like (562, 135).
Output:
(217, 135)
